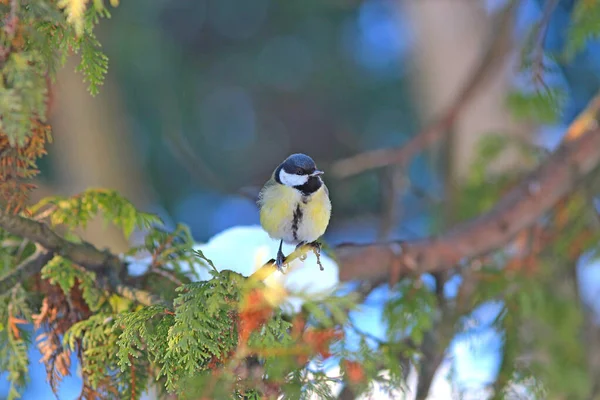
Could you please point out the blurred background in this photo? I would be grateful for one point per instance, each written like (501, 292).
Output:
(205, 97)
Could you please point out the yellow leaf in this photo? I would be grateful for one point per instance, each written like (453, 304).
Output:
(75, 10)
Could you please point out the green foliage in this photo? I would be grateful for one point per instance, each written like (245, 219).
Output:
(94, 63)
(14, 342)
(540, 106)
(585, 25)
(192, 345)
(172, 251)
(543, 313)
(63, 273)
(483, 186)
(183, 347)
(14, 250)
(35, 43)
(204, 313)
(78, 210)
(541, 324)
(97, 337)
(22, 94)
(329, 311)
(410, 312)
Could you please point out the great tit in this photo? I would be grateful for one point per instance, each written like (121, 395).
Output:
(294, 204)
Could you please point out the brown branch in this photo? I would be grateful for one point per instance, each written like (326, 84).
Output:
(491, 60)
(347, 393)
(165, 274)
(83, 253)
(578, 155)
(393, 185)
(105, 264)
(30, 266)
(537, 65)
(433, 353)
(437, 339)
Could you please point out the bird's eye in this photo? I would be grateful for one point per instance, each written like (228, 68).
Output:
(299, 171)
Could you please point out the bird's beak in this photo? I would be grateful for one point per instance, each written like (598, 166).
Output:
(317, 173)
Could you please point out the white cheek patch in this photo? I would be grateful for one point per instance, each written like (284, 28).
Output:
(292, 179)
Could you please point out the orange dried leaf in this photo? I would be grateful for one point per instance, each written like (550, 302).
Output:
(12, 323)
(320, 340)
(255, 310)
(298, 326)
(354, 371)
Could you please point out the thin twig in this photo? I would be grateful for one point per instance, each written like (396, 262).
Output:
(166, 274)
(577, 156)
(83, 253)
(183, 152)
(270, 267)
(29, 267)
(105, 264)
(21, 249)
(537, 66)
(490, 62)
(46, 213)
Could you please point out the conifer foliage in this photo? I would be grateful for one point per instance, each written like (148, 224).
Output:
(219, 338)
(231, 336)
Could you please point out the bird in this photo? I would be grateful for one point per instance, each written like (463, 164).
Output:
(294, 204)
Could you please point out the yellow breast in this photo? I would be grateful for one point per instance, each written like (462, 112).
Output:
(285, 214)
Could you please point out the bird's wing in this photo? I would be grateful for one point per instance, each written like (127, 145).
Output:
(260, 199)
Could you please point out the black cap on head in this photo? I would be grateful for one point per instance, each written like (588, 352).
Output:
(300, 172)
(299, 164)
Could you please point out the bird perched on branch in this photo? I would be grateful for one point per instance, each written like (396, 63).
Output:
(294, 204)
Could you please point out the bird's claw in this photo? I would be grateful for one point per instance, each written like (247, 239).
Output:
(316, 247)
(280, 261)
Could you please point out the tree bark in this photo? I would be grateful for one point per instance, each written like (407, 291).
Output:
(93, 147)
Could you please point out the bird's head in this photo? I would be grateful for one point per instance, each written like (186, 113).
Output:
(299, 171)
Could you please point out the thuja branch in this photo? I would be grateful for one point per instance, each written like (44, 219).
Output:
(113, 284)
(270, 266)
(578, 155)
(105, 264)
(84, 253)
(30, 266)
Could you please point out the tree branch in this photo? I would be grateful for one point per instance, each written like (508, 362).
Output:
(578, 155)
(113, 284)
(30, 266)
(83, 253)
(105, 264)
(433, 132)
(537, 65)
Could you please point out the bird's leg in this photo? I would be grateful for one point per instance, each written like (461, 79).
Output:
(280, 258)
(300, 245)
(316, 247)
